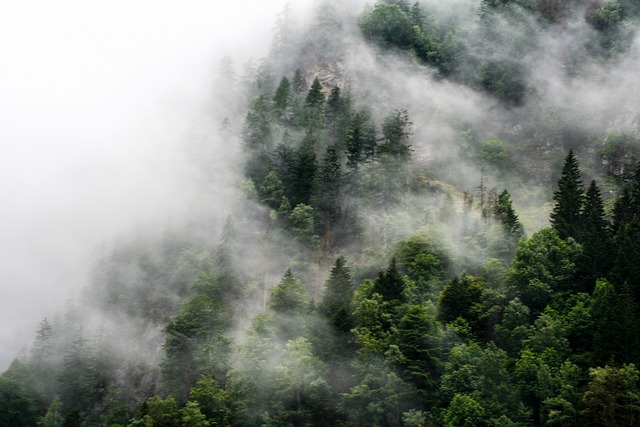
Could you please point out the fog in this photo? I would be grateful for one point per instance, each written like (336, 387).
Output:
(104, 110)
(97, 103)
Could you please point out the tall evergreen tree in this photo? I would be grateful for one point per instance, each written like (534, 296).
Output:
(507, 216)
(395, 131)
(305, 169)
(569, 199)
(390, 284)
(315, 97)
(338, 293)
(288, 296)
(314, 103)
(595, 238)
(282, 99)
(328, 188)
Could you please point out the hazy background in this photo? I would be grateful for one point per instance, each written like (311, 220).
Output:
(96, 102)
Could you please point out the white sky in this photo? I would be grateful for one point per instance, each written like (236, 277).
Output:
(95, 100)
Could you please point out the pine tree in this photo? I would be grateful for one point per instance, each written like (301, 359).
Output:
(257, 127)
(305, 169)
(595, 237)
(508, 217)
(282, 99)
(272, 191)
(395, 131)
(314, 103)
(328, 188)
(360, 141)
(390, 284)
(315, 97)
(569, 199)
(614, 313)
(337, 297)
(288, 296)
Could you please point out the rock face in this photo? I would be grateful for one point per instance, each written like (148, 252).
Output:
(330, 75)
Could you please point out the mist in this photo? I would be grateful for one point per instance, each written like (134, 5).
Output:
(99, 106)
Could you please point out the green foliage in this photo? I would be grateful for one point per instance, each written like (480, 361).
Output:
(419, 338)
(288, 296)
(17, 407)
(506, 80)
(612, 397)
(462, 298)
(544, 264)
(389, 284)
(464, 411)
(569, 200)
(421, 258)
(158, 412)
(336, 303)
(395, 133)
(616, 332)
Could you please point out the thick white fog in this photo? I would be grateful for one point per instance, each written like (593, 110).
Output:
(97, 100)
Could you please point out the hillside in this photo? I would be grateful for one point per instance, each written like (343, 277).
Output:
(436, 224)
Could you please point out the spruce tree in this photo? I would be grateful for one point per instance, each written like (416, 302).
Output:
(328, 188)
(337, 297)
(282, 99)
(305, 169)
(315, 97)
(569, 199)
(595, 238)
(390, 284)
(289, 296)
(507, 216)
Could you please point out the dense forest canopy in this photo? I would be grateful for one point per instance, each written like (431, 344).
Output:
(439, 225)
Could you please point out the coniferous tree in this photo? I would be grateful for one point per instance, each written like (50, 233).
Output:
(305, 169)
(272, 191)
(595, 238)
(315, 97)
(288, 296)
(328, 188)
(569, 200)
(389, 284)
(508, 217)
(395, 131)
(284, 163)
(419, 340)
(337, 297)
(299, 84)
(282, 99)
(314, 103)
(614, 312)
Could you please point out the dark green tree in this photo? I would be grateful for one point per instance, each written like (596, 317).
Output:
(614, 312)
(282, 99)
(17, 406)
(395, 134)
(305, 168)
(338, 293)
(462, 298)
(288, 296)
(328, 189)
(569, 200)
(544, 266)
(314, 103)
(612, 397)
(390, 284)
(195, 344)
(595, 237)
(419, 338)
(507, 216)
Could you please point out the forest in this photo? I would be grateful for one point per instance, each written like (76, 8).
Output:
(437, 223)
